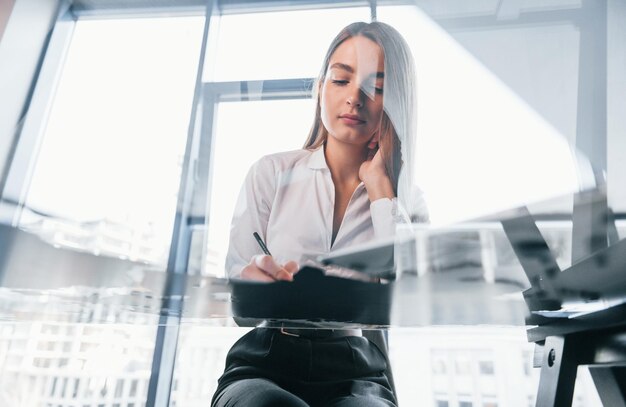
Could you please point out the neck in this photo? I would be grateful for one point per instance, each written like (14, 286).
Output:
(344, 160)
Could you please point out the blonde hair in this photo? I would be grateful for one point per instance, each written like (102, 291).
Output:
(398, 125)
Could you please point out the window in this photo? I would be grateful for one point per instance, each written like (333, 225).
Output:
(463, 365)
(64, 387)
(489, 400)
(119, 387)
(486, 367)
(75, 390)
(41, 362)
(133, 388)
(54, 386)
(46, 345)
(270, 51)
(112, 147)
(439, 367)
(104, 389)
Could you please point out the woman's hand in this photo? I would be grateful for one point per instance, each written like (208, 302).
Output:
(372, 173)
(265, 268)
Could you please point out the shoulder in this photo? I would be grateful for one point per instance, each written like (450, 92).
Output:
(279, 162)
(287, 158)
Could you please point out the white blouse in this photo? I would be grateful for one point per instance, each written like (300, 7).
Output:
(288, 199)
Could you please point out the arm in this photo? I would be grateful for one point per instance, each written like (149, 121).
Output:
(387, 213)
(386, 210)
(252, 211)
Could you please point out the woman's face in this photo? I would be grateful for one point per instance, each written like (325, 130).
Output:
(352, 93)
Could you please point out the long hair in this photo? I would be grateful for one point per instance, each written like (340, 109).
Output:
(397, 127)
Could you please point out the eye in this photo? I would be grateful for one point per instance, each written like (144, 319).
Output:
(374, 89)
(378, 87)
(339, 82)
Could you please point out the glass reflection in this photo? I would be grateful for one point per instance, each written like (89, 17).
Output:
(52, 363)
(488, 107)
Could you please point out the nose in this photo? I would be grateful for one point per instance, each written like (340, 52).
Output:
(357, 95)
(355, 99)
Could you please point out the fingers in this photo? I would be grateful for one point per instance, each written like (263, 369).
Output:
(252, 272)
(266, 269)
(292, 267)
(268, 265)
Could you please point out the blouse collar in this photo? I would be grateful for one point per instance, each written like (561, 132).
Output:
(317, 160)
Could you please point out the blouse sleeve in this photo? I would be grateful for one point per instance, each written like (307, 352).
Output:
(251, 214)
(387, 213)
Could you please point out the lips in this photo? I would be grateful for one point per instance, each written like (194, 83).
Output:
(351, 119)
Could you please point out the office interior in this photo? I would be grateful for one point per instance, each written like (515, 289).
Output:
(127, 128)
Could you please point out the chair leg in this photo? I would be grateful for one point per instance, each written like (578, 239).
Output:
(611, 384)
(558, 372)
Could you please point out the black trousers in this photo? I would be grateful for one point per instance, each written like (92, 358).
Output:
(266, 368)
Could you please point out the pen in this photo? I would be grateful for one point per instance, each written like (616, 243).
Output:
(261, 243)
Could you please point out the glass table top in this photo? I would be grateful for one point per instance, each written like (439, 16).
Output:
(462, 274)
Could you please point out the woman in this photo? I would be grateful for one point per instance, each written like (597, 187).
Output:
(340, 190)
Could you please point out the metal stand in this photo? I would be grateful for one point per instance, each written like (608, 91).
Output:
(562, 355)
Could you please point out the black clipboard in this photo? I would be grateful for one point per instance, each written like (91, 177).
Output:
(314, 297)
